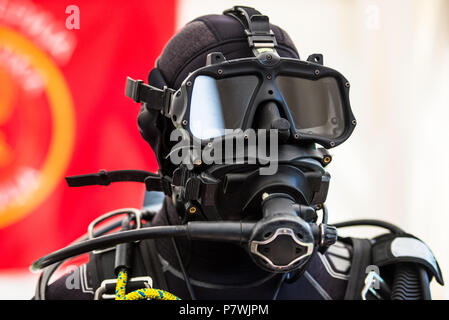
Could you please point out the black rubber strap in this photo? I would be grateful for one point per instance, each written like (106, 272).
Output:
(361, 259)
(152, 264)
(155, 98)
(153, 182)
(243, 14)
(105, 178)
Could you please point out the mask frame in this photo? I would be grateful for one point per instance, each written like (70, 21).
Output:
(267, 66)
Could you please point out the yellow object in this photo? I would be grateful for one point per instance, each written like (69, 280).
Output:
(139, 294)
(192, 210)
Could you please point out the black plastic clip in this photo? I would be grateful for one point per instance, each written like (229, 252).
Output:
(257, 27)
(159, 183)
(316, 58)
(154, 98)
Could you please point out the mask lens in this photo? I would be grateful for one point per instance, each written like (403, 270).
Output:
(221, 104)
(315, 105)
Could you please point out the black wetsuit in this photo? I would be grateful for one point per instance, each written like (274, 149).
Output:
(216, 271)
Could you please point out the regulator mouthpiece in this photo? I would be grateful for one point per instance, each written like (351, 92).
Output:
(287, 236)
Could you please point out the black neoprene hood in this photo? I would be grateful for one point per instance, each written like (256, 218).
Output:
(186, 52)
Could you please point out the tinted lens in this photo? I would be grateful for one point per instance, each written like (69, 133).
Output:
(316, 105)
(221, 104)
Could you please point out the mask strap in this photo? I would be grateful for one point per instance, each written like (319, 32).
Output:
(153, 181)
(257, 28)
(155, 98)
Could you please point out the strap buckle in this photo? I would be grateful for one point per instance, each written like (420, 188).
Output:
(257, 28)
(154, 98)
(109, 285)
(261, 41)
(372, 283)
(133, 89)
(159, 183)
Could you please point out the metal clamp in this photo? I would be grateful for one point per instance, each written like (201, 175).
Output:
(137, 214)
(133, 88)
(100, 293)
(372, 283)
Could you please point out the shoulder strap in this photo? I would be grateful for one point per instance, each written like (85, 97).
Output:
(101, 266)
(361, 259)
(144, 264)
(398, 248)
(153, 266)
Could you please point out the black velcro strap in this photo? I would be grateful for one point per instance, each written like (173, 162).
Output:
(105, 178)
(154, 98)
(361, 259)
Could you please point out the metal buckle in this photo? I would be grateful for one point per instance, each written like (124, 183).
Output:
(130, 211)
(168, 94)
(135, 89)
(372, 281)
(261, 42)
(257, 28)
(100, 293)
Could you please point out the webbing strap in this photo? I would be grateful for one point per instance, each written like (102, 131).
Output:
(361, 259)
(155, 98)
(153, 266)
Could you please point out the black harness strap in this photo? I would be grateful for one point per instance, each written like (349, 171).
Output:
(405, 248)
(361, 259)
(152, 264)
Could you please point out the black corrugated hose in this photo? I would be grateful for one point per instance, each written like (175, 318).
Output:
(411, 282)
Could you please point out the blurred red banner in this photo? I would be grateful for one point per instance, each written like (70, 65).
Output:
(63, 112)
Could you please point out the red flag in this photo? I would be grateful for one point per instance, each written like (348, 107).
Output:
(63, 112)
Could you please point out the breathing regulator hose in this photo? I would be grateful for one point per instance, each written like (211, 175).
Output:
(236, 232)
(409, 281)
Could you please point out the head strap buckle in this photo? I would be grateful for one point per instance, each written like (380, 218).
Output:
(257, 28)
